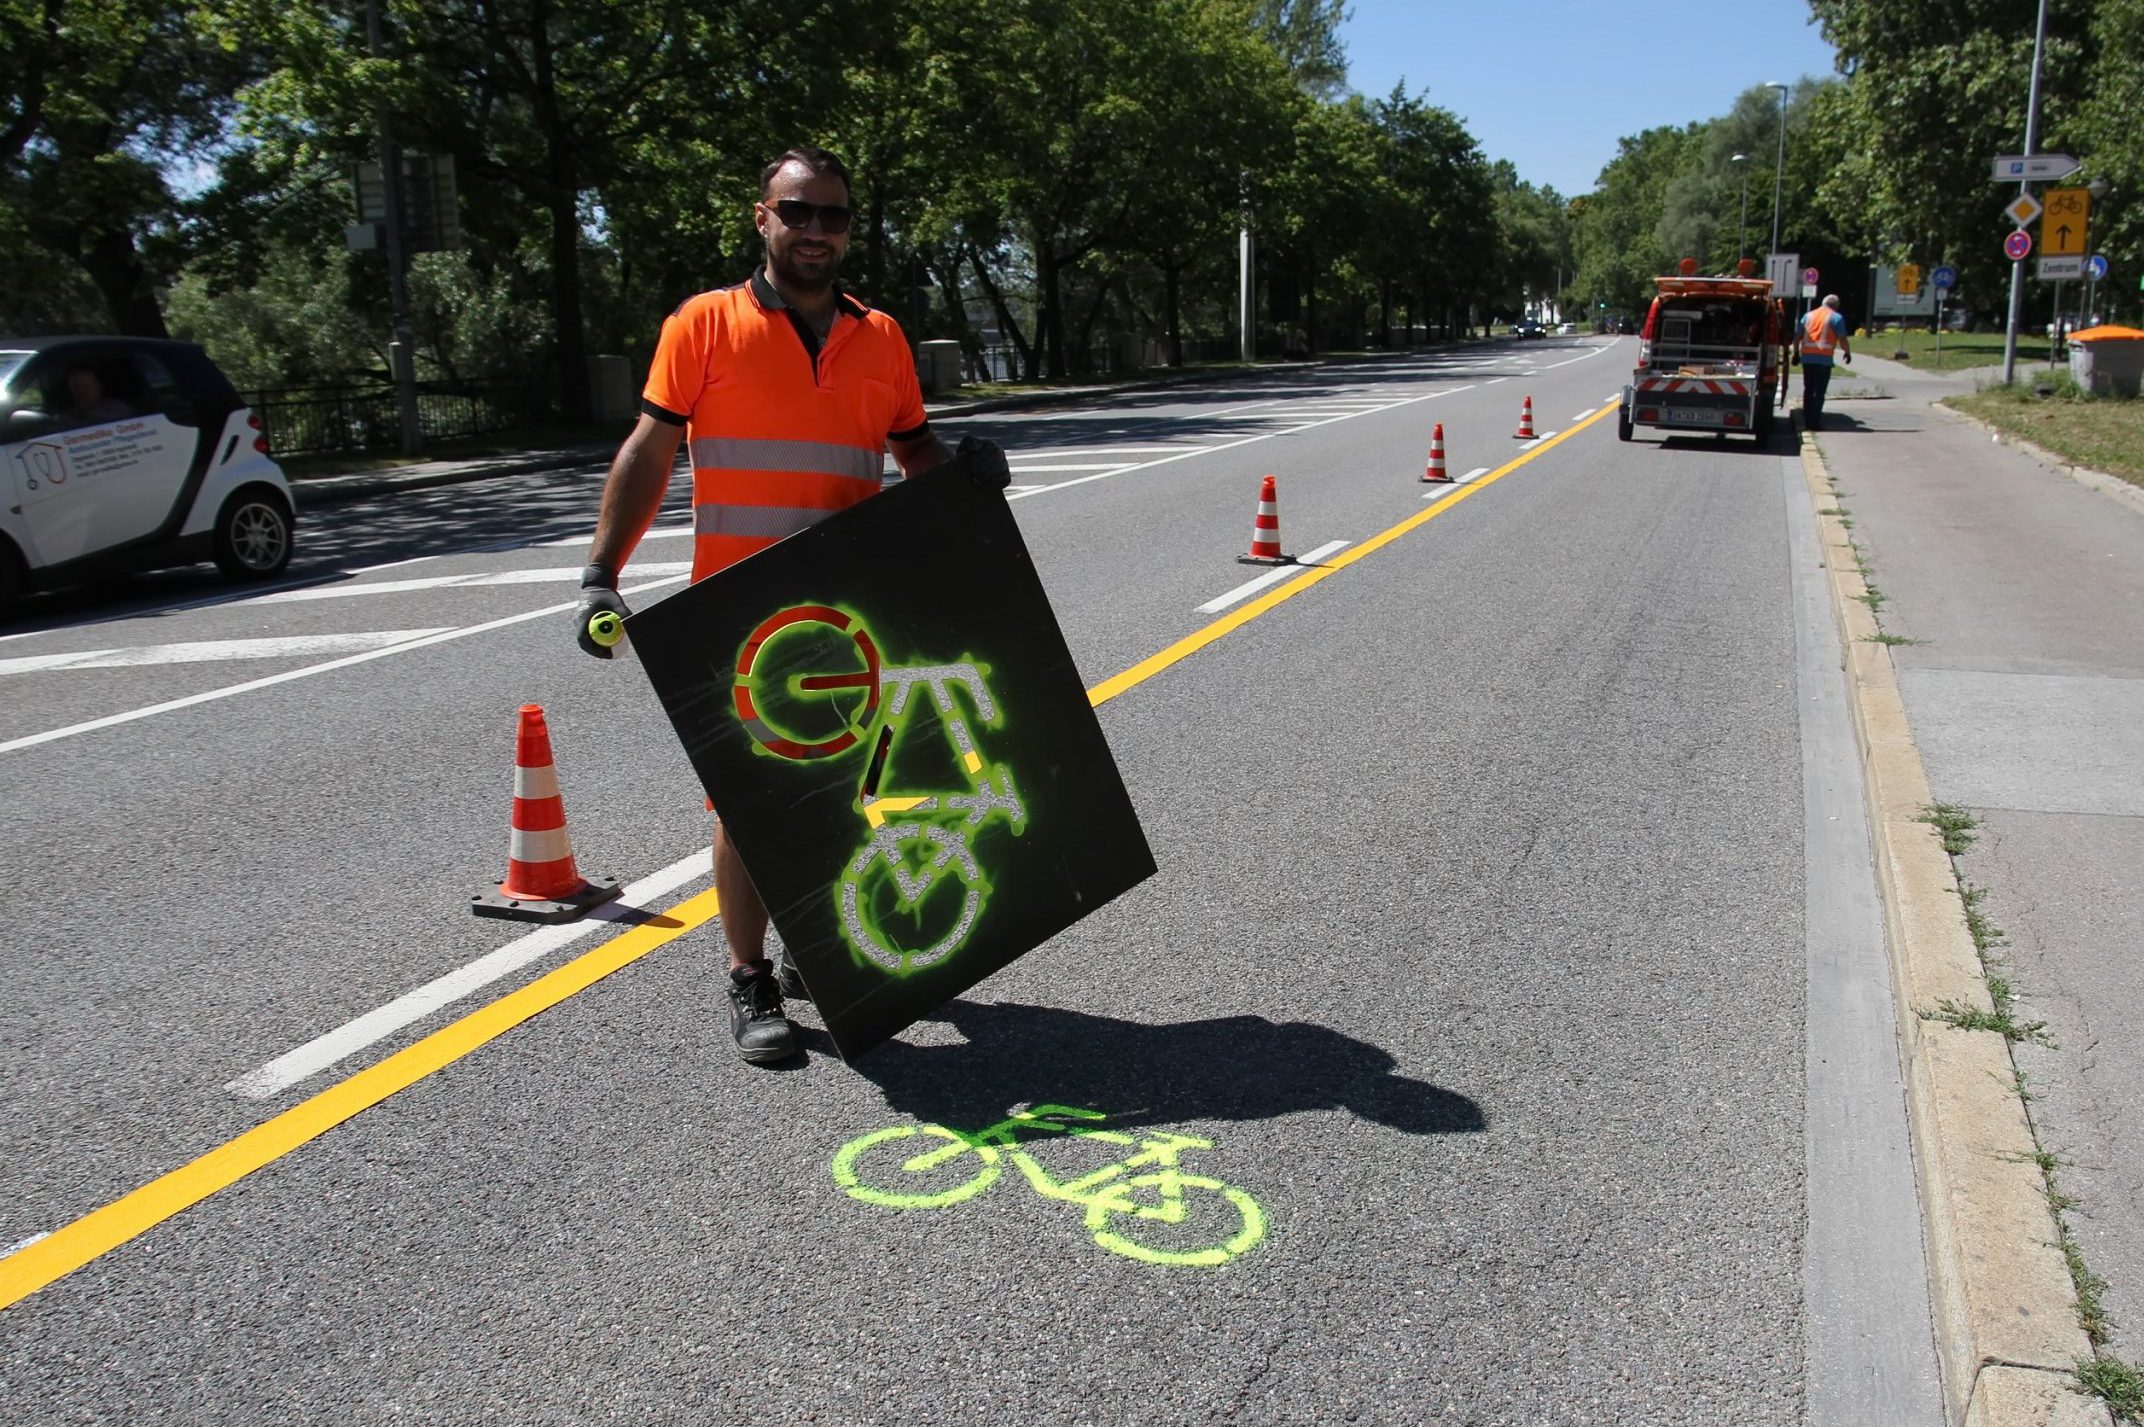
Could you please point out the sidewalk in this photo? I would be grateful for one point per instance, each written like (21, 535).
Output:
(2024, 589)
(316, 491)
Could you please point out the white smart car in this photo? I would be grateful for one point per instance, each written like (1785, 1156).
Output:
(121, 454)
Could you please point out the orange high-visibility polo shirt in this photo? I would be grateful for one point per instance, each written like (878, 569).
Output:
(783, 431)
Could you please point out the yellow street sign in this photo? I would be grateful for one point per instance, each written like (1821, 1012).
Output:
(1909, 280)
(2062, 231)
(2023, 209)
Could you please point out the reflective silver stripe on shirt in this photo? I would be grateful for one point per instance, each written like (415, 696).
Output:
(758, 522)
(730, 453)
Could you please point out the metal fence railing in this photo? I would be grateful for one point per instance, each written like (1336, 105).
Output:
(303, 420)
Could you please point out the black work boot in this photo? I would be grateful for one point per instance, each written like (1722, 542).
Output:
(792, 984)
(763, 1033)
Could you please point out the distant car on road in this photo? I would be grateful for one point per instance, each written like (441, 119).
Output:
(1527, 327)
(123, 453)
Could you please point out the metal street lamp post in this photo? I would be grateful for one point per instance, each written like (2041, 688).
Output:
(1742, 230)
(1779, 172)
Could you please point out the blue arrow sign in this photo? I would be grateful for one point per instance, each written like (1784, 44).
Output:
(1945, 277)
(2096, 265)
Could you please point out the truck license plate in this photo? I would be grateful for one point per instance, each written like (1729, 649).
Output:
(1696, 415)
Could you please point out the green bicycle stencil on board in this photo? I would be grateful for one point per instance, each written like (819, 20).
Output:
(1143, 1206)
(812, 684)
(886, 718)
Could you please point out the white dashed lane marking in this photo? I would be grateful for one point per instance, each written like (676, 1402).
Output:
(1274, 576)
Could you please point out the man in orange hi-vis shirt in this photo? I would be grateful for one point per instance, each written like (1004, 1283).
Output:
(791, 392)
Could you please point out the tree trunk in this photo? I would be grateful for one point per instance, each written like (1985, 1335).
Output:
(1052, 318)
(562, 196)
(1310, 304)
(1384, 312)
(116, 269)
(1172, 281)
(875, 250)
(1006, 324)
(944, 267)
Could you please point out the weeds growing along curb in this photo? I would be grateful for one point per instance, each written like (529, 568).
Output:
(2118, 1385)
(1893, 640)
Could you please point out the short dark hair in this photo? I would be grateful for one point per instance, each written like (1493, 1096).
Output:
(817, 160)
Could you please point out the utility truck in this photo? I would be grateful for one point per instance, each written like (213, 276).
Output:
(1711, 358)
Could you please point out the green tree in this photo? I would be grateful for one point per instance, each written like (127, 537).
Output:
(101, 94)
(1616, 239)
(1933, 92)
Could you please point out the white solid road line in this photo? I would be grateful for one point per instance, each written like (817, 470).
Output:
(1067, 466)
(1273, 576)
(323, 1051)
(1155, 450)
(1589, 352)
(52, 735)
(556, 574)
(665, 532)
(1436, 490)
(1225, 446)
(209, 651)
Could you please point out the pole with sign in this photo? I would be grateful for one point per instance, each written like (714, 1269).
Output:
(1945, 278)
(2023, 175)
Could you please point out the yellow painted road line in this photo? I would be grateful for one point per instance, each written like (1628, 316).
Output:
(66, 1249)
(1192, 643)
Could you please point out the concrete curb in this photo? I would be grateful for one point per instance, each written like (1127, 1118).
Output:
(2005, 1311)
(2127, 492)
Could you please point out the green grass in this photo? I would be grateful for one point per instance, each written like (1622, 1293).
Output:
(1954, 823)
(2118, 1384)
(2002, 1020)
(1893, 640)
(2103, 433)
(1960, 349)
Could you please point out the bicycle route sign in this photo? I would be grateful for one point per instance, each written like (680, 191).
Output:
(886, 717)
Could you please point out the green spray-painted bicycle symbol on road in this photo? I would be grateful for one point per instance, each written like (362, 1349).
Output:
(1143, 1207)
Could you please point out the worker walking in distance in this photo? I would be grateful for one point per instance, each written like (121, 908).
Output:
(1823, 342)
(791, 392)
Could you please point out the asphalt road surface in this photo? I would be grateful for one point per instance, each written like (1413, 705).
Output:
(1509, 990)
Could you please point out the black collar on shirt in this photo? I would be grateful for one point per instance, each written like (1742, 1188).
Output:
(764, 293)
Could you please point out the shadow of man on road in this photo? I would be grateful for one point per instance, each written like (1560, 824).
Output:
(1227, 1068)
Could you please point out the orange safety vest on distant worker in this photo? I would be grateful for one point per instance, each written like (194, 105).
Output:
(1820, 338)
(783, 431)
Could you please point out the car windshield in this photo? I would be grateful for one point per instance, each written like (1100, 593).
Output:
(8, 362)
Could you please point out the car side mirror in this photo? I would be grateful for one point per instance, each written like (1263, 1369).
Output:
(25, 422)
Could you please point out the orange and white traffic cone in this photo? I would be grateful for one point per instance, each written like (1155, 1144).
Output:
(542, 884)
(1265, 529)
(1526, 421)
(1435, 470)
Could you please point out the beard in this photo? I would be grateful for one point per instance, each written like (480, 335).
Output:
(804, 276)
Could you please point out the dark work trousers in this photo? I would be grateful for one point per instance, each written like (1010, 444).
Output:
(1816, 378)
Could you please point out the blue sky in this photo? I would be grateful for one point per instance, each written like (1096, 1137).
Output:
(1552, 84)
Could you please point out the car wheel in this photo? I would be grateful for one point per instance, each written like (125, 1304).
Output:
(13, 578)
(253, 535)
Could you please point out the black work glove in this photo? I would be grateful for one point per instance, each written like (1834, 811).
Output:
(986, 463)
(600, 621)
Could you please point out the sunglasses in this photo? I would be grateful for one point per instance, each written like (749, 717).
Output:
(796, 213)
